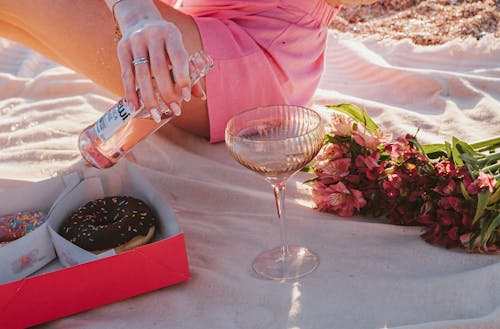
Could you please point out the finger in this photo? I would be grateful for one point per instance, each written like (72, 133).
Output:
(143, 78)
(127, 69)
(180, 63)
(161, 73)
(198, 91)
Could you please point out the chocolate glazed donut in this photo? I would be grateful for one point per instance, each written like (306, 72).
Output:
(119, 222)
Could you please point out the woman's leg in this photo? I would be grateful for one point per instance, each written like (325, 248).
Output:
(80, 35)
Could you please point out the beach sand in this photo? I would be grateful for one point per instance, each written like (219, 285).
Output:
(425, 22)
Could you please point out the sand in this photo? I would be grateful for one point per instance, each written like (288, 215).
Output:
(425, 22)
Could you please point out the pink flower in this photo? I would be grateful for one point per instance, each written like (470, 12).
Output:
(334, 168)
(470, 243)
(446, 189)
(392, 185)
(364, 173)
(450, 202)
(320, 196)
(368, 161)
(369, 165)
(333, 151)
(445, 168)
(395, 151)
(337, 198)
(341, 125)
(453, 235)
(365, 138)
(485, 181)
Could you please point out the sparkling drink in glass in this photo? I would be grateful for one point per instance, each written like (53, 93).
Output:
(276, 141)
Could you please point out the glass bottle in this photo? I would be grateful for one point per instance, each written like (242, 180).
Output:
(118, 130)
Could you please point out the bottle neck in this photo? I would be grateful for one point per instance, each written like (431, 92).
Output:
(199, 64)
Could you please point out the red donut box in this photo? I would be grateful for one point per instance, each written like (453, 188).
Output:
(158, 264)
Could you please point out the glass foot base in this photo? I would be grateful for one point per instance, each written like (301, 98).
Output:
(297, 262)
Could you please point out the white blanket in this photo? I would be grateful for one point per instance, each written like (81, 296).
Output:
(371, 275)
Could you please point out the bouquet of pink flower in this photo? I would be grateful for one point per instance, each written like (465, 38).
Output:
(449, 189)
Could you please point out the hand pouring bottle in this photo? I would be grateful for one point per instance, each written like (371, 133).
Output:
(113, 135)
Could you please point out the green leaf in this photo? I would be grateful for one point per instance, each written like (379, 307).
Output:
(466, 148)
(310, 180)
(482, 202)
(492, 169)
(487, 233)
(489, 144)
(308, 169)
(448, 148)
(434, 151)
(455, 152)
(496, 195)
(417, 144)
(489, 159)
(465, 193)
(469, 159)
(358, 115)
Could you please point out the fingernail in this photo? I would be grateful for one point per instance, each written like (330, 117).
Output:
(203, 95)
(155, 115)
(163, 107)
(186, 94)
(176, 108)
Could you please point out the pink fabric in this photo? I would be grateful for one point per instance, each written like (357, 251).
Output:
(264, 51)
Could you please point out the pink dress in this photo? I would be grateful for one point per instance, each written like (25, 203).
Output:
(265, 52)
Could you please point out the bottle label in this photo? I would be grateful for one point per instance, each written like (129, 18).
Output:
(113, 120)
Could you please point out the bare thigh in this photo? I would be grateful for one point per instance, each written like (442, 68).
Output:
(80, 35)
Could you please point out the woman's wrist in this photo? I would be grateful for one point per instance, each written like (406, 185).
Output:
(111, 5)
(130, 12)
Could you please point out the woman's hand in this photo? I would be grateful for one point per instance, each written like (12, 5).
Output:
(150, 47)
(350, 3)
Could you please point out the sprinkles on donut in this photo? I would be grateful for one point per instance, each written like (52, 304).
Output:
(15, 226)
(119, 222)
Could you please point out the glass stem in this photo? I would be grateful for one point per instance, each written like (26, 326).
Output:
(279, 196)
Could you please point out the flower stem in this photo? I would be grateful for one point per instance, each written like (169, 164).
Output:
(492, 168)
(490, 158)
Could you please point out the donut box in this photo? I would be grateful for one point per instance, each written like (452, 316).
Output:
(49, 293)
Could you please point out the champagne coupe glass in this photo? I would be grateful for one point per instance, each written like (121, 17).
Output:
(276, 141)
